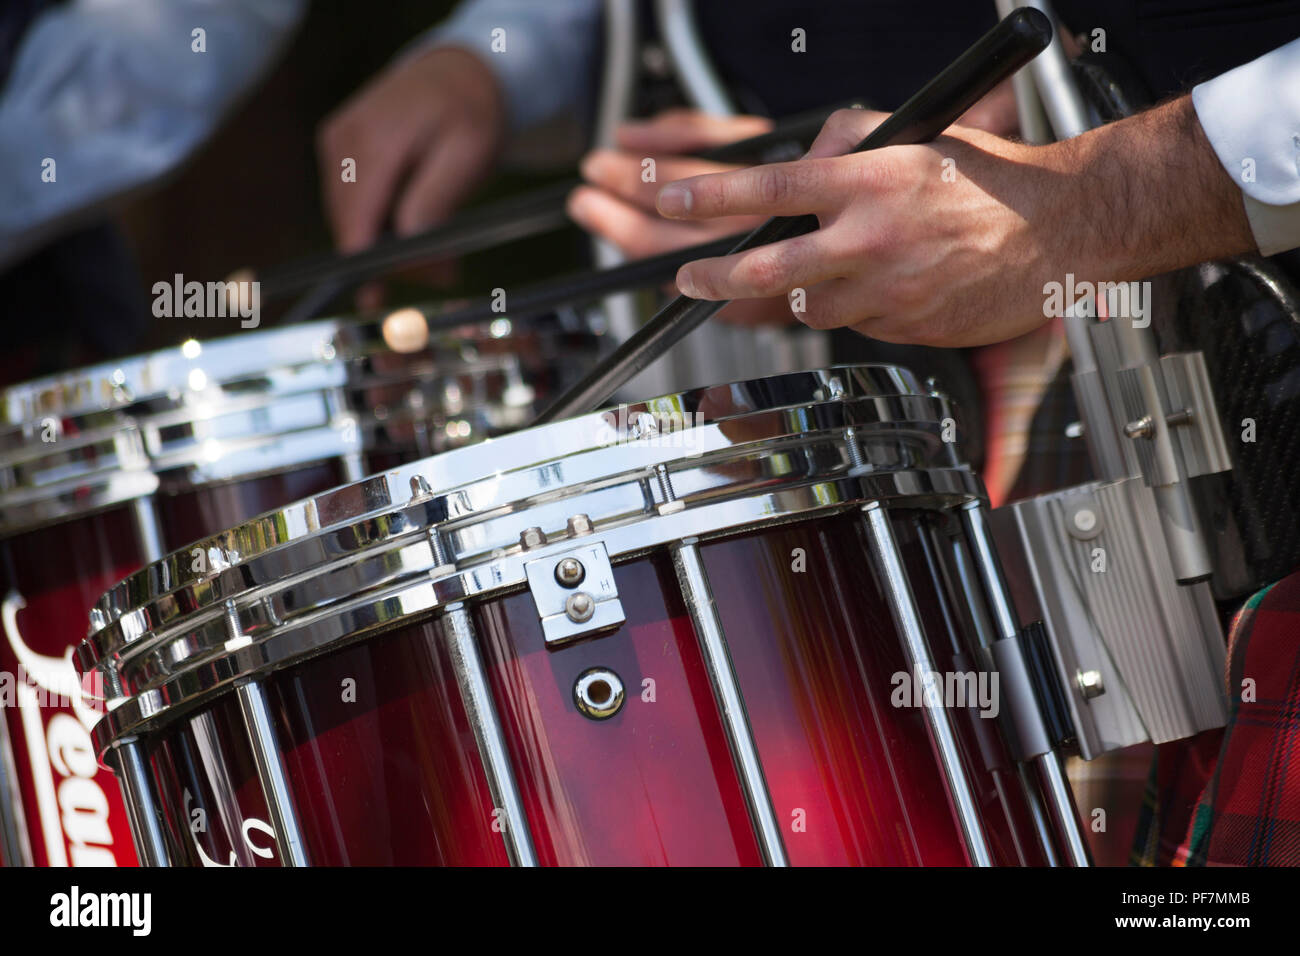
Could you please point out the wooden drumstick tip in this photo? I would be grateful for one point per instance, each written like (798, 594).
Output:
(406, 330)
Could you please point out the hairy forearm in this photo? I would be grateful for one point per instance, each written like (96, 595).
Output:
(1152, 196)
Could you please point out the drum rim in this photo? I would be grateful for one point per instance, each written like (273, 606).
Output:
(116, 474)
(156, 373)
(466, 541)
(391, 491)
(153, 374)
(216, 662)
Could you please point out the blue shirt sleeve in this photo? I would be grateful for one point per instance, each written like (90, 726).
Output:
(542, 52)
(105, 98)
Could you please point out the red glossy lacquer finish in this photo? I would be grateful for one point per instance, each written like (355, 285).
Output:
(652, 785)
(379, 755)
(384, 768)
(49, 578)
(853, 780)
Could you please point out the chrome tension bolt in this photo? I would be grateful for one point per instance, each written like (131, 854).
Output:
(579, 607)
(569, 573)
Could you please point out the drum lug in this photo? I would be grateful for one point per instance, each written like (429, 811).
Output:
(574, 592)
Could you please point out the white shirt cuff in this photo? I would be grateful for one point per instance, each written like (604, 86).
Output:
(1251, 116)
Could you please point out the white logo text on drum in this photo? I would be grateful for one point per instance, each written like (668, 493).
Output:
(952, 689)
(211, 300)
(73, 814)
(1124, 300)
(198, 824)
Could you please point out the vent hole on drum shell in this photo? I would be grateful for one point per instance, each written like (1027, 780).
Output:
(598, 693)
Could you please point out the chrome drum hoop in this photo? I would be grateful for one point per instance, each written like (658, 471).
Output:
(306, 577)
(203, 660)
(606, 483)
(242, 404)
(543, 462)
(475, 518)
(774, 440)
(44, 482)
(157, 375)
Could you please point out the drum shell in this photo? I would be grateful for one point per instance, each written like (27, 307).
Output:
(105, 547)
(48, 575)
(378, 751)
(392, 775)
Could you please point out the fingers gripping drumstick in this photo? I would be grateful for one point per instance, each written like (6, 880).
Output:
(1011, 44)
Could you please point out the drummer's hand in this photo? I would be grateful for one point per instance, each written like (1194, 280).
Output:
(953, 243)
(421, 133)
(618, 204)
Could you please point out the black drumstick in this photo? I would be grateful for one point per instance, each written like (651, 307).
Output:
(1011, 44)
(577, 288)
(509, 219)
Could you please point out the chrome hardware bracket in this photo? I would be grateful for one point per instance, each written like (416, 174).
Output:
(586, 607)
(1165, 417)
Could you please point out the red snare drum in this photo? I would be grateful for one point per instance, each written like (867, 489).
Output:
(104, 469)
(684, 632)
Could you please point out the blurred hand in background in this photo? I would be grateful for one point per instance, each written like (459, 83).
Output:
(422, 134)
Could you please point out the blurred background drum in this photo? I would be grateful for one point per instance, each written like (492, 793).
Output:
(74, 517)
